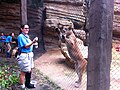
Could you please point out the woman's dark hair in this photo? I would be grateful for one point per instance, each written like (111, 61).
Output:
(20, 31)
(10, 34)
(22, 26)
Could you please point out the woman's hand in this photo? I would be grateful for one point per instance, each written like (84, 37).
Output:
(35, 39)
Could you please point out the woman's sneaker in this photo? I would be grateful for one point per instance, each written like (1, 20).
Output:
(30, 86)
(22, 88)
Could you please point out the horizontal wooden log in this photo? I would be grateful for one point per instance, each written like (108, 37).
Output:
(64, 2)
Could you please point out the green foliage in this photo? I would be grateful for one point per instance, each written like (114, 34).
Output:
(8, 77)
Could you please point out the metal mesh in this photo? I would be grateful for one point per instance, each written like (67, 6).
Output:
(79, 16)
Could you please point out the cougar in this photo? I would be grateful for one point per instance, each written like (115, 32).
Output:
(75, 54)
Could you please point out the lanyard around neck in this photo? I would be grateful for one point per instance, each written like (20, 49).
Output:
(25, 35)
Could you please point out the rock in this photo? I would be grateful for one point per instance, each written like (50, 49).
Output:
(45, 87)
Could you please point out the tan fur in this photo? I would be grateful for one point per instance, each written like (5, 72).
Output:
(75, 54)
(14, 51)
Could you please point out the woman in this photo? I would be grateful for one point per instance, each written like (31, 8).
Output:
(25, 60)
(8, 43)
(2, 42)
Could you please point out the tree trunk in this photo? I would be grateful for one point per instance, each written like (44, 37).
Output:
(100, 44)
(23, 12)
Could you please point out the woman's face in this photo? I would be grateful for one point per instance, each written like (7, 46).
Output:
(25, 30)
(2, 34)
(13, 34)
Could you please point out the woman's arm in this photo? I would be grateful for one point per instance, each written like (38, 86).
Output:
(27, 46)
(34, 41)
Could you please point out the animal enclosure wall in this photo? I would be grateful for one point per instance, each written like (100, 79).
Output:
(53, 11)
(10, 17)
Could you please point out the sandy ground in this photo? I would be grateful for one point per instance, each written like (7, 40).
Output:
(52, 64)
(115, 69)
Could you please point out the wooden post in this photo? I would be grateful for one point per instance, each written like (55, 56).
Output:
(23, 12)
(100, 44)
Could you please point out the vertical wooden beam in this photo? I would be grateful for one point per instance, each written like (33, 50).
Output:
(23, 12)
(100, 45)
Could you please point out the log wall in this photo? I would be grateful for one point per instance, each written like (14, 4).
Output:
(116, 25)
(10, 15)
(10, 19)
(70, 9)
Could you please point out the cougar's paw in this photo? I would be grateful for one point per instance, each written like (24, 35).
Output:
(78, 81)
(77, 84)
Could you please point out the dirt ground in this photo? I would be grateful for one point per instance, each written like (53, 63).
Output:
(52, 63)
(52, 73)
(43, 82)
(115, 67)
